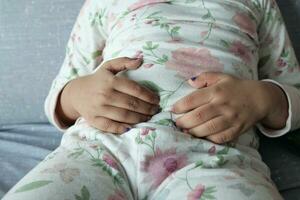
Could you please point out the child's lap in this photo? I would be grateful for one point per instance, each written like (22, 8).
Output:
(157, 157)
(156, 161)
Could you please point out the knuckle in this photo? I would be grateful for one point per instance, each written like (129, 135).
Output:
(220, 139)
(104, 97)
(149, 109)
(211, 127)
(188, 100)
(119, 129)
(133, 104)
(218, 91)
(200, 115)
(223, 102)
(106, 124)
(124, 115)
(233, 116)
(136, 88)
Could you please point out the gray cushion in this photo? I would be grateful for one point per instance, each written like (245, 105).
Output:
(290, 10)
(284, 162)
(21, 148)
(33, 36)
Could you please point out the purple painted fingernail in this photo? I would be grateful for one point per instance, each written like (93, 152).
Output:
(127, 129)
(193, 78)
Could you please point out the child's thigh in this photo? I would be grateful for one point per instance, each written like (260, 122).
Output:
(233, 184)
(174, 165)
(78, 169)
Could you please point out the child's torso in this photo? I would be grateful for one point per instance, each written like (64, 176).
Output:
(180, 39)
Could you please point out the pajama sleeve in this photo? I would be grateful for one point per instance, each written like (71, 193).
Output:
(278, 64)
(83, 54)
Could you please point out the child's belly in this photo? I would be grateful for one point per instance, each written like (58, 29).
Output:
(178, 43)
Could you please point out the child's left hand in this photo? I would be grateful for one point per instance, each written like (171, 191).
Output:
(224, 106)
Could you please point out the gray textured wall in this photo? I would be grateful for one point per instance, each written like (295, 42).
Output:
(33, 35)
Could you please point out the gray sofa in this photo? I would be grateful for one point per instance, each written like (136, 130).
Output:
(33, 35)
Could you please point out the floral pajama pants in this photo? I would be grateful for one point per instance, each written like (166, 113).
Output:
(150, 161)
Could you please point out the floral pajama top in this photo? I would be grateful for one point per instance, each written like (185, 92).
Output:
(179, 39)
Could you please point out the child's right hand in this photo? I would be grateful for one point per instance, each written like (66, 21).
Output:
(107, 102)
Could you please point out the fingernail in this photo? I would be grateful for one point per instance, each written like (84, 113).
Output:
(127, 129)
(172, 109)
(194, 78)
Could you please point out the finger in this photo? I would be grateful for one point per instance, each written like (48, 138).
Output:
(210, 127)
(224, 136)
(108, 125)
(122, 100)
(197, 116)
(132, 88)
(121, 64)
(206, 79)
(193, 100)
(123, 115)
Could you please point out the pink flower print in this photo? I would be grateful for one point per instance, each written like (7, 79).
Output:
(203, 33)
(142, 3)
(190, 62)
(111, 17)
(118, 195)
(162, 164)
(148, 65)
(66, 174)
(196, 193)
(267, 41)
(212, 150)
(138, 54)
(73, 37)
(277, 73)
(291, 70)
(94, 146)
(83, 137)
(133, 17)
(281, 63)
(240, 50)
(108, 159)
(245, 23)
(175, 39)
(145, 131)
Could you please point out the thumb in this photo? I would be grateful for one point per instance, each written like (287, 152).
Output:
(206, 79)
(121, 64)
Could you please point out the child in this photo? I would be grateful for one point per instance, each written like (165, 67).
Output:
(216, 67)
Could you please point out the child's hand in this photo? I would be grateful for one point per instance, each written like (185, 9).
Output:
(224, 106)
(108, 102)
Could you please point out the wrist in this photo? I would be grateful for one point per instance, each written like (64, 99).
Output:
(65, 110)
(276, 104)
